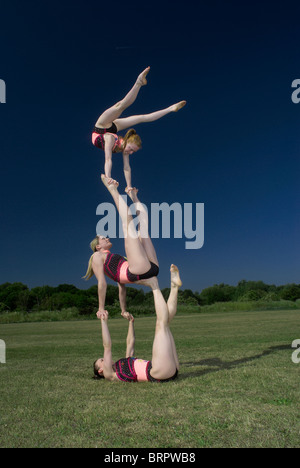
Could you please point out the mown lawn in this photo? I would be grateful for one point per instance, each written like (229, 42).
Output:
(238, 386)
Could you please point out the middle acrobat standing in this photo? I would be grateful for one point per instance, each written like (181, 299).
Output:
(109, 124)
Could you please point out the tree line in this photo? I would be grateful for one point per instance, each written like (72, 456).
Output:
(18, 297)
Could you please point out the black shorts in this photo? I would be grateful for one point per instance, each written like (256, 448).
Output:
(154, 271)
(152, 379)
(102, 131)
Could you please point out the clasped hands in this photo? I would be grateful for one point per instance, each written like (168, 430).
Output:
(103, 315)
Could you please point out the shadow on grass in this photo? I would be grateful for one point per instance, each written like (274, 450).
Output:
(217, 365)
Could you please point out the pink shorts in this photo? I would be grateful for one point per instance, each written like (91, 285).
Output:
(124, 274)
(140, 367)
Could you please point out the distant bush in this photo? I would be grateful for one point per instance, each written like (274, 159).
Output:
(252, 295)
(248, 291)
(250, 306)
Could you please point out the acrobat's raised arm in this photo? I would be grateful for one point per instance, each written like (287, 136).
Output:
(131, 334)
(109, 144)
(127, 170)
(102, 285)
(108, 371)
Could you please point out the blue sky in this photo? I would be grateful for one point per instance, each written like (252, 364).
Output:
(234, 147)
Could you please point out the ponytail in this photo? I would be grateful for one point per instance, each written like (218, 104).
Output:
(90, 271)
(89, 274)
(132, 136)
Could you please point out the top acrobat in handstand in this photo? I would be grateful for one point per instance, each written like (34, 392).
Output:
(109, 124)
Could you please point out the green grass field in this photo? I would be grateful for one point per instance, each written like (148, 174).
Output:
(238, 386)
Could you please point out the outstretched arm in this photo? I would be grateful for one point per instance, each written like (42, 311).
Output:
(107, 358)
(109, 144)
(98, 268)
(131, 334)
(122, 297)
(127, 170)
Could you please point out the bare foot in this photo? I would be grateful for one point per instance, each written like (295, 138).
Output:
(141, 81)
(132, 193)
(178, 106)
(110, 184)
(175, 278)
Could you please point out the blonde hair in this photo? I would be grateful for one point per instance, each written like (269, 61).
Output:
(93, 246)
(132, 137)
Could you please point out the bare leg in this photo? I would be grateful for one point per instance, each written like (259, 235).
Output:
(137, 257)
(173, 298)
(106, 119)
(143, 227)
(175, 355)
(137, 119)
(163, 361)
(172, 304)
